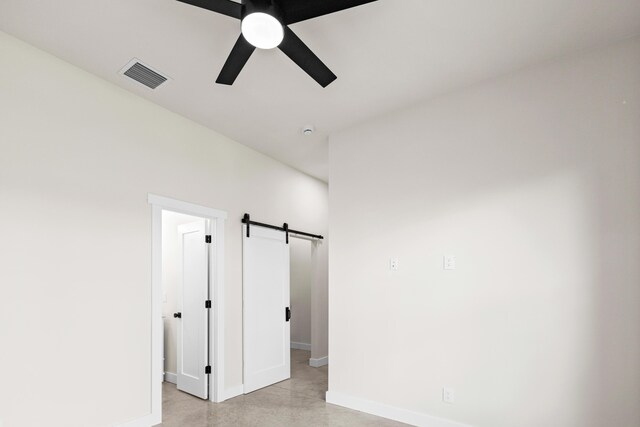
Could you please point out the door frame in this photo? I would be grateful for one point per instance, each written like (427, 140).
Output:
(216, 290)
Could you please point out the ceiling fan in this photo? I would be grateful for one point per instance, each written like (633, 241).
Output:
(265, 26)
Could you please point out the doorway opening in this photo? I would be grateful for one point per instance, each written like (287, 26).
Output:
(307, 378)
(282, 294)
(187, 301)
(301, 284)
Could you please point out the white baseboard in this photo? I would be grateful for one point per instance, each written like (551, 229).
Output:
(170, 377)
(301, 346)
(146, 421)
(316, 363)
(390, 412)
(232, 392)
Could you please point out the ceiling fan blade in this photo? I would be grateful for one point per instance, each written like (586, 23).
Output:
(300, 10)
(299, 53)
(239, 56)
(225, 7)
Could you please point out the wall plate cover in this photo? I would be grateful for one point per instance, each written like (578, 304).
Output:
(448, 395)
(449, 262)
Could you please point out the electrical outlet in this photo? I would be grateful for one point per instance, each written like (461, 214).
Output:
(448, 395)
(449, 262)
(394, 265)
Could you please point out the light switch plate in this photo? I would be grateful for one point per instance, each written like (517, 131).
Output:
(449, 262)
(448, 395)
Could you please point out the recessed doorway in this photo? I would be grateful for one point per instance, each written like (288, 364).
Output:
(187, 301)
(280, 272)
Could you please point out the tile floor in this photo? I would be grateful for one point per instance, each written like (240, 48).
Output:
(295, 402)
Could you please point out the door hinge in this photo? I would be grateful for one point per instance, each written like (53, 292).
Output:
(207, 304)
(207, 369)
(207, 238)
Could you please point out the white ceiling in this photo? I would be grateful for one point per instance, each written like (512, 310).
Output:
(387, 54)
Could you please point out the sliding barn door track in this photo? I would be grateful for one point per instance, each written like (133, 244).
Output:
(246, 219)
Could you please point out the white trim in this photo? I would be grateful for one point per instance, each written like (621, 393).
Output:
(216, 322)
(301, 346)
(170, 377)
(390, 412)
(185, 207)
(146, 421)
(232, 392)
(157, 324)
(316, 363)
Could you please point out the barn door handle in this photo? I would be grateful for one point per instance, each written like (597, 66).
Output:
(177, 315)
(287, 314)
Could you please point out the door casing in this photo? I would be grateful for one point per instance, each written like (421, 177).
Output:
(217, 220)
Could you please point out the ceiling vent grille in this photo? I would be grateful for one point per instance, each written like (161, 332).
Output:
(143, 74)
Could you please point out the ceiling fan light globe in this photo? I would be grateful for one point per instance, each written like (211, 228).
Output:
(262, 30)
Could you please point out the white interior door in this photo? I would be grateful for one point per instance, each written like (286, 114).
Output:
(193, 331)
(265, 266)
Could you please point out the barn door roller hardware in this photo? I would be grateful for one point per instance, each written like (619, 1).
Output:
(246, 219)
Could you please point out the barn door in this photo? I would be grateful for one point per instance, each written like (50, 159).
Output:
(266, 308)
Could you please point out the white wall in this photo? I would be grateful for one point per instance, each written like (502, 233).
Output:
(171, 281)
(319, 303)
(301, 282)
(78, 157)
(533, 182)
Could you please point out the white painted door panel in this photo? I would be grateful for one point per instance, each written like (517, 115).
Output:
(193, 331)
(267, 358)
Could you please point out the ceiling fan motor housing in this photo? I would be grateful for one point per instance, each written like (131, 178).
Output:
(270, 7)
(265, 25)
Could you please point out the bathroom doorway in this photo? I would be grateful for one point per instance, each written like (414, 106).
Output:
(197, 365)
(186, 301)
